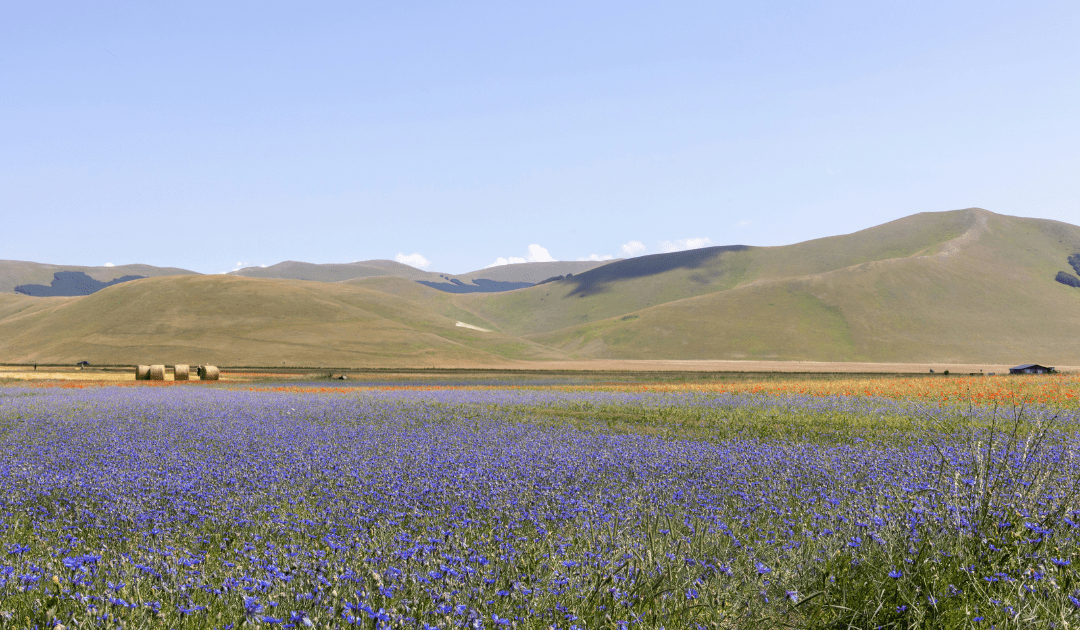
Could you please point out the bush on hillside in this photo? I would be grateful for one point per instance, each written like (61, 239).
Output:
(1074, 260)
(1068, 279)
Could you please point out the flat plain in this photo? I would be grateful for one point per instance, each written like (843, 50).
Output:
(523, 501)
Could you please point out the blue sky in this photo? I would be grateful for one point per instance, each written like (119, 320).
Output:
(203, 135)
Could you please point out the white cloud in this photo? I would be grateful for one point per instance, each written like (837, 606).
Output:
(241, 265)
(513, 260)
(536, 254)
(597, 257)
(109, 265)
(684, 244)
(413, 260)
(744, 223)
(633, 248)
(539, 254)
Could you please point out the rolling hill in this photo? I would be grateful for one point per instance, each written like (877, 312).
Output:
(331, 272)
(960, 286)
(44, 280)
(489, 280)
(978, 289)
(15, 273)
(226, 320)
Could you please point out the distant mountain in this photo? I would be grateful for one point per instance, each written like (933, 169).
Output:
(533, 272)
(333, 272)
(966, 286)
(41, 279)
(480, 285)
(44, 280)
(489, 280)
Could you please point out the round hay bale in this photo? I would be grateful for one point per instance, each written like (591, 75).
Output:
(142, 372)
(157, 373)
(181, 372)
(209, 373)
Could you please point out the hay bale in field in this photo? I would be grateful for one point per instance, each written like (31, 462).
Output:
(209, 373)
(142, 372)
(181, 372)
(157, 373)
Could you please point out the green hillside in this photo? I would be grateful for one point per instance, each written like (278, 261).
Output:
(631, 285)
(951, 287)
(986, 295)
(243, 321)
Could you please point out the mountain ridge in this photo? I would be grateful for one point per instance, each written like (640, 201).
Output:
(960, 286)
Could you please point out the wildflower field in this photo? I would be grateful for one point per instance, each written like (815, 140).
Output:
(892, 503)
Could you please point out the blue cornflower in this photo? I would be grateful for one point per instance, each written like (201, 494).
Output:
(761, 568)
(894, 574)
(77, 562)
(1060, 562)
(187, 611)
(252, 605)
(300, 617)
(691, 593)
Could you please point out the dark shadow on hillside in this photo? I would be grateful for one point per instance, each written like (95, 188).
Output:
(597, 280)
(480, 285)
(70, 283)
(1068, 279)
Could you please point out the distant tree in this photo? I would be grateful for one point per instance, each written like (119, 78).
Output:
(1068, 279)
(1074, 260)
